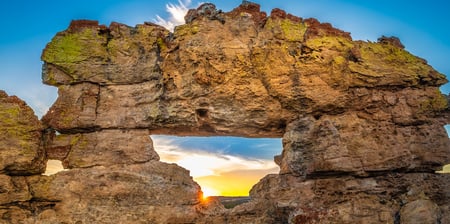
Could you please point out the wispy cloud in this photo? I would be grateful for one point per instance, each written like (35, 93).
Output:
(227, 174)
(177, 13)
(204, 163)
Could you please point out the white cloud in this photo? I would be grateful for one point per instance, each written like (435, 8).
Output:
(177, 13)
(204, 163)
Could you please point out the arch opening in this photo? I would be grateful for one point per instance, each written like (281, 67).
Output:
(53, 167)
(447, 128)
(226, 167)
(446, 168)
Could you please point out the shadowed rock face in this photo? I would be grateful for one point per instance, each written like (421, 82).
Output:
(21, 152)
(361, 122)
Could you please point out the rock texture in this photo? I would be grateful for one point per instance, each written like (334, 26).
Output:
(21, 152)
(361, 122)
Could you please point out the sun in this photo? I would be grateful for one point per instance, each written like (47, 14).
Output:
(207, 191)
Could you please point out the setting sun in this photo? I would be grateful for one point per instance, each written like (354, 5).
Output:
(217, 173)
(209, 192)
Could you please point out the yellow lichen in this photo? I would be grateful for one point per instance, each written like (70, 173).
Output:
(161, 44)
(387, 52)
(335, 43)
(187, 29)
(67, 49)
(437, 103)
(339, 60)
(75, 139)
(291, 31)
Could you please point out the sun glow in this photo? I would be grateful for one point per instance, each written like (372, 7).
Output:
(218, 173)
(445, 169)
(207, 192)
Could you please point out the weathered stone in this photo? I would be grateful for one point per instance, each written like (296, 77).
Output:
(103, 148)
(13, 190)
(356, 117)
(351, 144)
(21, 152)
(347, 199)
(203, 70)
(81, 114)
(420, 211)
(152, 192)
(93, 53)
(361, 122)
(395, 41)
(15, 214)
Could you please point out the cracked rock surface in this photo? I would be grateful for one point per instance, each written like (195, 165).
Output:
(361, 123)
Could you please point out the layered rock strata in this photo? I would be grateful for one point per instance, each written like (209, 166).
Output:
(361, 122)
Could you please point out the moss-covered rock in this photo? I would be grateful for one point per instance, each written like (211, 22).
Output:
(383, 64)
(286, 29)
(20, 138)
(118, 54)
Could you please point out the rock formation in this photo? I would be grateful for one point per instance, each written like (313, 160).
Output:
(361, 122)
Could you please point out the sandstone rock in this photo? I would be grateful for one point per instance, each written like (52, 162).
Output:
(347, 199)
(351, 144)
(96, 54)
(361, 122)
(420, 211)
(391, 40)
(81, 114)
(13, 189)
(152, 192)
(102, 148)
(209, 78)
(21, 152)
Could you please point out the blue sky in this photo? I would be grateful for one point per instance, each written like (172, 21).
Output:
(422, 26)
(28, 25)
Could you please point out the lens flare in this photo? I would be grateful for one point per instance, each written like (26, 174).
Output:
(207, 191)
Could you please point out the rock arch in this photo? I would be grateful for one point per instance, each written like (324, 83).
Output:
(362, 122)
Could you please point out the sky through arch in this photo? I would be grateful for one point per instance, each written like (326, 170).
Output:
(226, 166)
(29, 26)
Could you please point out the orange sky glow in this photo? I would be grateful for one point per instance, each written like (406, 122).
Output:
(217, 174)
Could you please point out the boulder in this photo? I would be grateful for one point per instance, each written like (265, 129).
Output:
(21, 151)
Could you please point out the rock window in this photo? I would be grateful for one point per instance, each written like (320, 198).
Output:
(222, 166)
(53, 167)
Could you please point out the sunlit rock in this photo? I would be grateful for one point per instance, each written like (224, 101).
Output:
(362, 123)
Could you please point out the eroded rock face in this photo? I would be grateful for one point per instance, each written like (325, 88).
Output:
(102, 148)
(152, 192)
(361, 122)
(21, 152)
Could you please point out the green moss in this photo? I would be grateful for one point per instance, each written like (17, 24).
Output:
(9, 115)
(14, 123)
(330, 42)
(65, 119)
(11, 123)
(49, 78)
(75, 139)
(187, 29)
(339, 60)
(388, 53)
(437, 103)
(291, 31)
(145, 30)
(67, 48)
(161, 44)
